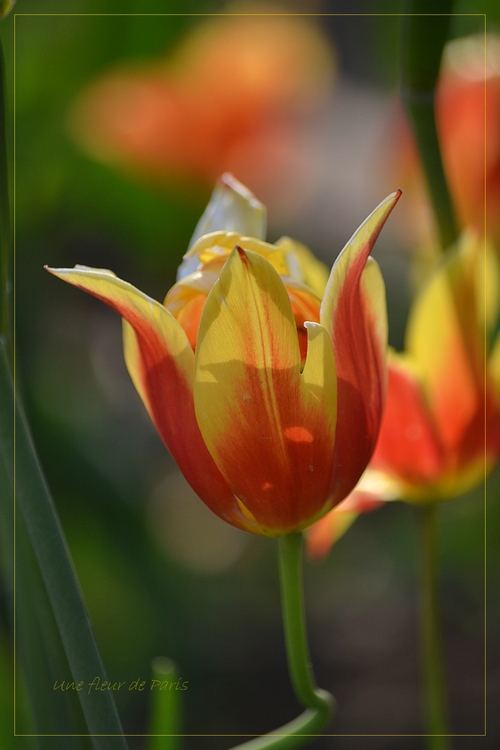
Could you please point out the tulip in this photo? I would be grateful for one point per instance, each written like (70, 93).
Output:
(268, 398)
(440, 433)
(468, 123)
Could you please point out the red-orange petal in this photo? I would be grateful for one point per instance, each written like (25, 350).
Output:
(354, 313)
(407, 446)
(161, 362)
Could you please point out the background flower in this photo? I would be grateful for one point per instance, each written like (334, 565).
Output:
(440, 432)
(237, 94)
(468, 122)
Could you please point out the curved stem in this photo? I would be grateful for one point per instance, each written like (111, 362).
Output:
(319, 703)
(292, 602)
(434, 688)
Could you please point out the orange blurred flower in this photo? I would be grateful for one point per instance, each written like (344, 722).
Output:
(234, 95)
(468, 122)
(440, 431)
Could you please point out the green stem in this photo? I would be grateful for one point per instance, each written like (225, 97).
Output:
(434, 688)
(319, 703)
(165, 723)
(425, 28)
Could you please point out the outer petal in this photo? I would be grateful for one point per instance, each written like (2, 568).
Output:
(328, 530)
(161, 362)
(407, 446)
(372, 491)
(270, 429)
(450, 355)
(354, 313)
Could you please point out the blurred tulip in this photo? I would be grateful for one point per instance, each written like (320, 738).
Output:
(268, 398)
(468, 122)
(235, 94)
(440, 432)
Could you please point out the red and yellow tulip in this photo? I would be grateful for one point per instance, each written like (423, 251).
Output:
(440, 432)
(268, 398)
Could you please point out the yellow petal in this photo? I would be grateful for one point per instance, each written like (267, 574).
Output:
(232, 208)
(303, 265)
(443, 336)
(269, 429)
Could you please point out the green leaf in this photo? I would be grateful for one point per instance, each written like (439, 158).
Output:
(45, 534)
(5, 325)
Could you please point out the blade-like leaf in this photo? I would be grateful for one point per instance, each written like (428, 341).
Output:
(36, 506)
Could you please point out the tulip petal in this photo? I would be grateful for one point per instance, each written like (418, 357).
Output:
(269, 428)
(232, 208)
(407, 445)
(161, 363)
(328, 530)
(450, 355)
(303, 266)
(354, 313)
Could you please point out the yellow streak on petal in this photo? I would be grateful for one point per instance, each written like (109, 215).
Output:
(319, 377)
(249, 516)
(373, 291)
(450, 486)
(444, 340)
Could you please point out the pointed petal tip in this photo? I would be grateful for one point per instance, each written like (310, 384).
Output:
(313, 329)
(80, 270)
(59, 272)
(390, 201)
(228, 181)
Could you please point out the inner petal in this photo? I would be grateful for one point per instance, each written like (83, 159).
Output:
(305, 307)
